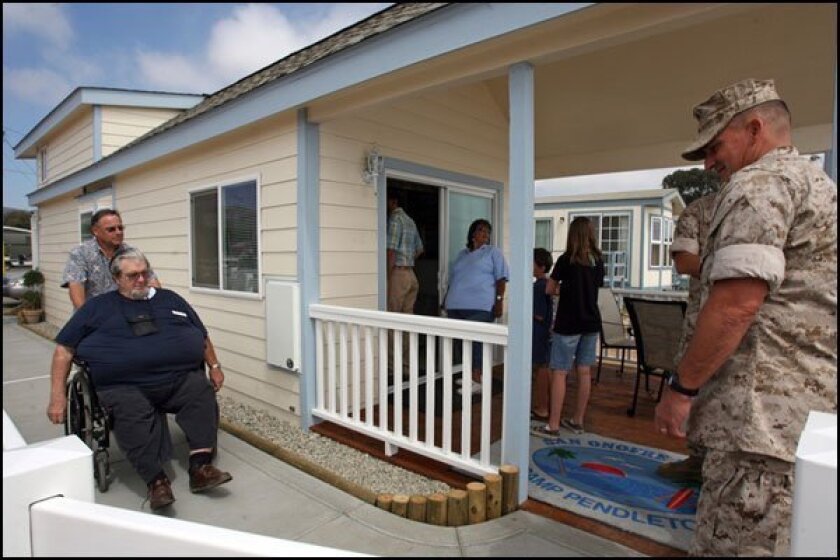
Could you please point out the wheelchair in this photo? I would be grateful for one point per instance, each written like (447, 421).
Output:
(91, 422)
(88, 420)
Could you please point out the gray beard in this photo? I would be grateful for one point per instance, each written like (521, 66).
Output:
(140, 293)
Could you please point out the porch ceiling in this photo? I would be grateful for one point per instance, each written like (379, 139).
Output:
(629, 106)
(615, 83)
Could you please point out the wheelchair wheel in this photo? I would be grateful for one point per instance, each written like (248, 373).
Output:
(79, 419)
(101, 469)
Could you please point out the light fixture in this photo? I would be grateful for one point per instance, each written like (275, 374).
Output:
(374, 166)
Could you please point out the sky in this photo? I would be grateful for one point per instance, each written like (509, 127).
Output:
(51, 49)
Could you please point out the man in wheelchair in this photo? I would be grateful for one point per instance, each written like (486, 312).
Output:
(145, 350)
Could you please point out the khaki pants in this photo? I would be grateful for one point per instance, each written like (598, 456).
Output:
(402, 294)
(745, 506)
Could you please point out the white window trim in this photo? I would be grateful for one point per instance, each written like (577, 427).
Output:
(666, 238)
(42, 165)
(550, 221)
(217, 186)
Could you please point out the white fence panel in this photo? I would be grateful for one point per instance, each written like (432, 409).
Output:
(398, 357)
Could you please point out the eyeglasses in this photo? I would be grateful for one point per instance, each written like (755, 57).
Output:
(112, 229)
(133, 276)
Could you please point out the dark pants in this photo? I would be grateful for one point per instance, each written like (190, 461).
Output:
(140, 429)
(471, 315)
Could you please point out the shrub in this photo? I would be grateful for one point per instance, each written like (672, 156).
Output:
(33, 278)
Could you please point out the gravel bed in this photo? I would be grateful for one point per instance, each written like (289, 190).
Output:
(352, 465)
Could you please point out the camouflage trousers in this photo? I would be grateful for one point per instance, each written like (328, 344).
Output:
(745, 506)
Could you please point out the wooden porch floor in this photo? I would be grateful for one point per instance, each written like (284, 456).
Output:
(606, 415)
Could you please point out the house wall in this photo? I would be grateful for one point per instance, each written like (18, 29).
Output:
(70, 148)
(154, 203)
(121, 125)
(459, 130)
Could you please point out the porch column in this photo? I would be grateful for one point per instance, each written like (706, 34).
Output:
(308, 255)
(515, 430)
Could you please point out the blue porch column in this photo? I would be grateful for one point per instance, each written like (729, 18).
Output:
(515, 429)
(308, 255)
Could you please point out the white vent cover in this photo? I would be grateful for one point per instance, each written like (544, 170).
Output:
(282, 324)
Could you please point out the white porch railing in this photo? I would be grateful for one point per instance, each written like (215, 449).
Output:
(351, 341)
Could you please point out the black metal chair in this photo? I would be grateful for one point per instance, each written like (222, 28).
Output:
(657, 326)
(613, 332)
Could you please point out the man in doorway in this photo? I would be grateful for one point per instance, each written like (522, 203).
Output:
(87, 272)
(764, 349)
(404, 246)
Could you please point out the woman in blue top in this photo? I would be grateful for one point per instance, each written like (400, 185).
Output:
(477, 286)
(576, 277)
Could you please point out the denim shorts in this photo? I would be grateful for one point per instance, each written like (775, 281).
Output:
(567, 349)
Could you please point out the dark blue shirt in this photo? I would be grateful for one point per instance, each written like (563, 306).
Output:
(100, 334)
(541, 332)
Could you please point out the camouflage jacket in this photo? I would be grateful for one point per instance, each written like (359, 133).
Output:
(690, 237)
(776, 220)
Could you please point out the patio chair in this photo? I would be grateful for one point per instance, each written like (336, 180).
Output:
(613, 332)
(657, 326)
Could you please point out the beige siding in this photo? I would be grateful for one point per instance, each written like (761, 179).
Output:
(71, 147)
(459, 130)
(58, 224)
(121, 125)
(154, 203)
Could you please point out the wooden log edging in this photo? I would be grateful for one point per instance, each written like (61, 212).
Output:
(460, 507)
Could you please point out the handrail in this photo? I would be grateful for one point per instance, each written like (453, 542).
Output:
(438, 326)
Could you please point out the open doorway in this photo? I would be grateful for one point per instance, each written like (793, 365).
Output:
(422, 203)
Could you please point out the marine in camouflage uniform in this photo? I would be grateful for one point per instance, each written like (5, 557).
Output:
(776, 220)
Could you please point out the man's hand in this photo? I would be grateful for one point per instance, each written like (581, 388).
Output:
(671, 413)
(57, 409)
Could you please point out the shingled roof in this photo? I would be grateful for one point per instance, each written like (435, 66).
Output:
(372, 26)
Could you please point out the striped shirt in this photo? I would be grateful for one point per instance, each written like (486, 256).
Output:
(403, 237)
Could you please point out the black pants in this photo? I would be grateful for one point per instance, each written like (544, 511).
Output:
(140, 428)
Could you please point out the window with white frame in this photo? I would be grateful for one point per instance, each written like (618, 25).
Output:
(543, 234)
(84, 226)
(661, 237)
(612, 230)
(42, 165)
(223, 229)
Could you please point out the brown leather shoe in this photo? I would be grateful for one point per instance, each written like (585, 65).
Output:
(160, 494)
(206, 477)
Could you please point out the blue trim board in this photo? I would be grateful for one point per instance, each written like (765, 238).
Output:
(451, 28)
(516, 423)
(308, 255)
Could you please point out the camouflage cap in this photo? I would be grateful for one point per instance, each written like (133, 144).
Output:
(718, 110)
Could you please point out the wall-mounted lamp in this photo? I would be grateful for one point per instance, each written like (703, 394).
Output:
(374, 166)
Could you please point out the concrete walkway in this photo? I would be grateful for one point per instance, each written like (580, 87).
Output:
(269, 497)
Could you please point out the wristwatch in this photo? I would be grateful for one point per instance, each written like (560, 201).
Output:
(674, 384)
(217, 365)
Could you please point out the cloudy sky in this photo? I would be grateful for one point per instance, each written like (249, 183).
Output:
(51, 49)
